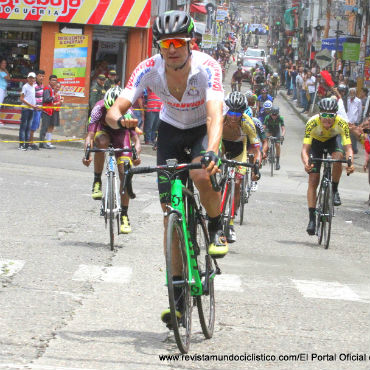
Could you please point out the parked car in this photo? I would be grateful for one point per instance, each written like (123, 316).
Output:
(248, 64)
(256, 53)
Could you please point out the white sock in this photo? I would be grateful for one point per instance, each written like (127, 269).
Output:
(48, 137)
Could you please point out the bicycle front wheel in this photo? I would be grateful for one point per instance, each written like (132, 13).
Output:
(110, 209)
(243, 197)
(328, 212)
(272, 158)
(207, 270)
(179, 296)
(227, 209)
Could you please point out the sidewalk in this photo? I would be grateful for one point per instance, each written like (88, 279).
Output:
(358, 158)
(11, 132)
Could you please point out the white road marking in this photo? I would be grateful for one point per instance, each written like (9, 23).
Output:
(94, 273)
(10, 267)
(325, 290)
(228, 282)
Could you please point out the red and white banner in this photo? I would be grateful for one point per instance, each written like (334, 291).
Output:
(128, 13)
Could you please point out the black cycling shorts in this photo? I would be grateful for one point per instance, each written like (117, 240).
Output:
(232, 149)
(317, 149)
(183, 145)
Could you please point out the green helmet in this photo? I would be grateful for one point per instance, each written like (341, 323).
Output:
(111, 95)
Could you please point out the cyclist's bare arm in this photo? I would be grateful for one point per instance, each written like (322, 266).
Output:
(136, 141)
(283, 130)
(214, 129)
(118, 109)
(305, 155)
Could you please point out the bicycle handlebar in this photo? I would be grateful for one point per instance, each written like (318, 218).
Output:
(131, 149)
(330, 160)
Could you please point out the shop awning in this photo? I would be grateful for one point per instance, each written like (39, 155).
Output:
(198, 9)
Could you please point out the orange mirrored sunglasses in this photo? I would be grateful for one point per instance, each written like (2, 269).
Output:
(177, 42)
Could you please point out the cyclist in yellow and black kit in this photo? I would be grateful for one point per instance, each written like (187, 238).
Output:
(239, 137)
(325, 130)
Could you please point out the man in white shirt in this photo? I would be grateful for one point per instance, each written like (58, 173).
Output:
(311, 86)
(28, 99)
(354, 113)
(299, 85)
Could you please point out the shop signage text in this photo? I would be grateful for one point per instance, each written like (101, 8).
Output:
(126, 13)
(37, 7)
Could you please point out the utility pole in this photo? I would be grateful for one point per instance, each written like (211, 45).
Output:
(361, 60)
(337, 33)
(328, 16)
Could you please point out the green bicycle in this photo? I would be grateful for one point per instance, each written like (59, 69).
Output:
(187, 236)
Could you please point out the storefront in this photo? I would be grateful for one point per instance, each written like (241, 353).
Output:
(70, 38)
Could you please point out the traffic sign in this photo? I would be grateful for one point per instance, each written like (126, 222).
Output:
(324, 58)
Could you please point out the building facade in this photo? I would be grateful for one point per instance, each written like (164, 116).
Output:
(74, 39)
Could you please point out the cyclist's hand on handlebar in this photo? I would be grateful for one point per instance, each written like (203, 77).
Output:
(308, 167)
(210, 162)
(87, 162)
(350, 169)
(136, 161)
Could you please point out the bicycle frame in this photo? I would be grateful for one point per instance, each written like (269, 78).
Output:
(229, 182)
(178, 206)
(111, 166)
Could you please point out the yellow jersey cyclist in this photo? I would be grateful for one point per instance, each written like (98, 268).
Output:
(326, 130)
(189, 84)
(274, 126)
(239, 137)
(100, 134)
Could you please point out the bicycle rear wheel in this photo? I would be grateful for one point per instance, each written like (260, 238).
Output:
(207, 270)
(328, 211)
(183, 301)
(110, 209)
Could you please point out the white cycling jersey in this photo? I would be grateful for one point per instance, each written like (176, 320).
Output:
(204, 84)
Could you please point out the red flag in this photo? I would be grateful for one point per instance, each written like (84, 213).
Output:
(327, 78)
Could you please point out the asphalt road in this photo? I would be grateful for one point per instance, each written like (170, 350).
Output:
(68, 302)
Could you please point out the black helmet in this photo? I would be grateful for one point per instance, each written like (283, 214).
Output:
(274, 110)
(171, 23)
(328, 105)
(236, 102)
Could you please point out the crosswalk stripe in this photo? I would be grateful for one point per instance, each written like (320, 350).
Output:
(10, 267)
(94, 273)
(325, 290)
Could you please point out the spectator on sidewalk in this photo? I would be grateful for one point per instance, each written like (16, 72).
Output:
(110, 81)
(354, 113)
(311, 88)
(47, 113)
(152, 109)
(97, 91)
(28, 98)
(293, 86)
(55, 122)
(299, 86)
(364, 96)
(4, 77)
(39, 91)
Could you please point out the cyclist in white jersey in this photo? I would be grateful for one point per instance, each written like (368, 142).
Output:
(189, 84)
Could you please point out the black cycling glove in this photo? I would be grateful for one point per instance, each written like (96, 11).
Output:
(209, 157)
